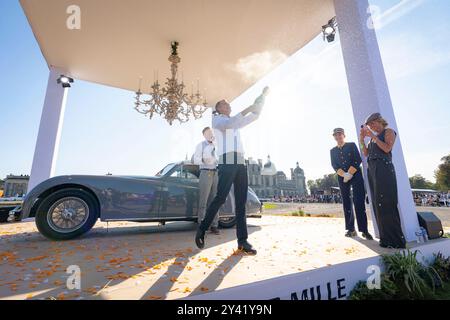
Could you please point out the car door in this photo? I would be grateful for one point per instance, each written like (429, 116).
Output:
(179, 199)
(130, 198)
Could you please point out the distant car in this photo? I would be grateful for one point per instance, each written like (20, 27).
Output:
(66, 207)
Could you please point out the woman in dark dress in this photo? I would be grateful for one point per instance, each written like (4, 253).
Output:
(382, 179)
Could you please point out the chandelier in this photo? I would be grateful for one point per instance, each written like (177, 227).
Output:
(171, 101)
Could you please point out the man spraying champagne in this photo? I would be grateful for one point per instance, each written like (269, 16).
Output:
(231, 169)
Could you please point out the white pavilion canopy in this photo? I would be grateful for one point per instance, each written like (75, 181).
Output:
(226, 45)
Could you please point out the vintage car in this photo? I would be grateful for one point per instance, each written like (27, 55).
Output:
(66, 207)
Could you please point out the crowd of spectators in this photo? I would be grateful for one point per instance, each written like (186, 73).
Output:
(314, 198)
(421, 199)
(432, 199)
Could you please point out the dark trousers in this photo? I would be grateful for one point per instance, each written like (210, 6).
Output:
(230, 174)
(359, 194)
(383, 186)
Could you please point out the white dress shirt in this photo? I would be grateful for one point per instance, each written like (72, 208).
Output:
(228, 138)
(205, 155)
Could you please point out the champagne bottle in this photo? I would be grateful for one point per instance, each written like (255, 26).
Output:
(262, 98)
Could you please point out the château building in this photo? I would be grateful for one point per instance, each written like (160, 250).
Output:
(16, 185)
(266, 181)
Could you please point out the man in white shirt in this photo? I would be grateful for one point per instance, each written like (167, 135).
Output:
(205, 158)
(231, 169)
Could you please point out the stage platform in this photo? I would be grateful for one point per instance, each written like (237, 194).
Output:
(147, 261)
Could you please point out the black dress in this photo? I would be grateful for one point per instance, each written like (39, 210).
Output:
(383, 187)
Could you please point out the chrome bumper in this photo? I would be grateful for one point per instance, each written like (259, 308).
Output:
(17, 211)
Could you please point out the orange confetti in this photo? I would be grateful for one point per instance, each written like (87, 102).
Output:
(57, 282)
(91, 290)
(236, 252)
(149, 271)
(117, 261)
(38, 258)
(120, 275)
(8, 255)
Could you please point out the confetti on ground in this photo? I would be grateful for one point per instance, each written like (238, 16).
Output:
(134, 259)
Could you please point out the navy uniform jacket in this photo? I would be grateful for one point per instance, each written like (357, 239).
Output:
(345, 157)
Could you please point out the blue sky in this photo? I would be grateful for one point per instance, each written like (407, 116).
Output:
(102, 133)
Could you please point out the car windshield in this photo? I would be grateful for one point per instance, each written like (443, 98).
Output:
(166, 169)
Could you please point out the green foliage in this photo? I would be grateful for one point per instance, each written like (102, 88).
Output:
(269, 206)
(406, 278)
(323, 215)
(411, 277)
(300, 213)
(387, 291)
(419, 182)
(325, 183)
(442, 266)
(442, 174)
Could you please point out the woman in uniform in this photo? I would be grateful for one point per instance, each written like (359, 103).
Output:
(382, 179)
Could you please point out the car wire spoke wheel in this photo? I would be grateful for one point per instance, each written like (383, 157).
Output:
(227, 222)
(67, 214)
(227, 219)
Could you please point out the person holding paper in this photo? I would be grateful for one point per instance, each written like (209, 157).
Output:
(346, 161)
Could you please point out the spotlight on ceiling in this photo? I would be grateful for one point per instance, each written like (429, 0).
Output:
(329, 30)
(65, 81)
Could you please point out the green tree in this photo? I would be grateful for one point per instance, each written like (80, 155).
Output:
(442, 174)
(325, 183)
(312, 186)
(419, 182)
(328, 181)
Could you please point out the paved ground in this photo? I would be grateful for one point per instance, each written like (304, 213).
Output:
(147, 261)
(335, 210)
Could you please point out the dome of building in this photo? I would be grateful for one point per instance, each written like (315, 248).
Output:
(269, 168)
(298, 170)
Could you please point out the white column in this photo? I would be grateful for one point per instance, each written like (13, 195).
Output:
(49, 134)
(369, 92)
